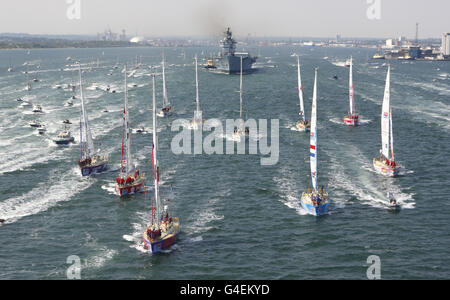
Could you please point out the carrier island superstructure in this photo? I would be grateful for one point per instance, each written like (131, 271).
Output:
(229, 61)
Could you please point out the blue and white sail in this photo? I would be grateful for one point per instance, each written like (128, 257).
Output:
(313, 142)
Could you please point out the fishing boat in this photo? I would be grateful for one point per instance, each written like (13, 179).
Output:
(130, 181)
(303, 124)
(241, 132)
(198, 121)
(386, 164)
(315, 201)
(164, 229)
(91, 162)
(167, 108)
(352, 118)
(64, 137)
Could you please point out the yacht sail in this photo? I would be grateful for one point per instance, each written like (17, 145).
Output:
(385, 120)
(315, 201)
(167, 108)
(302, 124)
(128, 182)
(386, 164)
(300, 90)
(90, 162)
(164, 230)
(313, 141)
(198, 118)
(352, 119)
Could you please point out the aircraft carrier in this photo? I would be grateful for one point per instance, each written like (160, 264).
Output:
(229, 61)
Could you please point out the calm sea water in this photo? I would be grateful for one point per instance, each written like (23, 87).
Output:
(240, 220)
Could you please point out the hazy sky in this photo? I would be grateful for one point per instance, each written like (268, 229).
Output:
(289, 18)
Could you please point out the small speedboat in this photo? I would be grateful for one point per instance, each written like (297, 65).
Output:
(69, 103)
(19, 99)
(64, 138)
(37, 109)
(67, 122)
(26, 104)
(166, 111)
(35, 80)
(42, 129)
(106, 110)
(35, 124)
(393, 203)
(141, 130)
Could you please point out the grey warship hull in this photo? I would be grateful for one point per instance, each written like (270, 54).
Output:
(231, 64)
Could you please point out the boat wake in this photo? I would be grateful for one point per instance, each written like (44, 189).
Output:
(340, 121)
(366, 186)
(102, 254)
(44, 196)
(201, 220)
(289, 193)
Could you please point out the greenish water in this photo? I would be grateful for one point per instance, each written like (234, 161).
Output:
(239, 220)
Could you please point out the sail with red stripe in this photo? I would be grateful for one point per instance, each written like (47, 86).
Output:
(313, 141)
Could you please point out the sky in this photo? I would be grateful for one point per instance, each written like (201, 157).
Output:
(262, 18)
